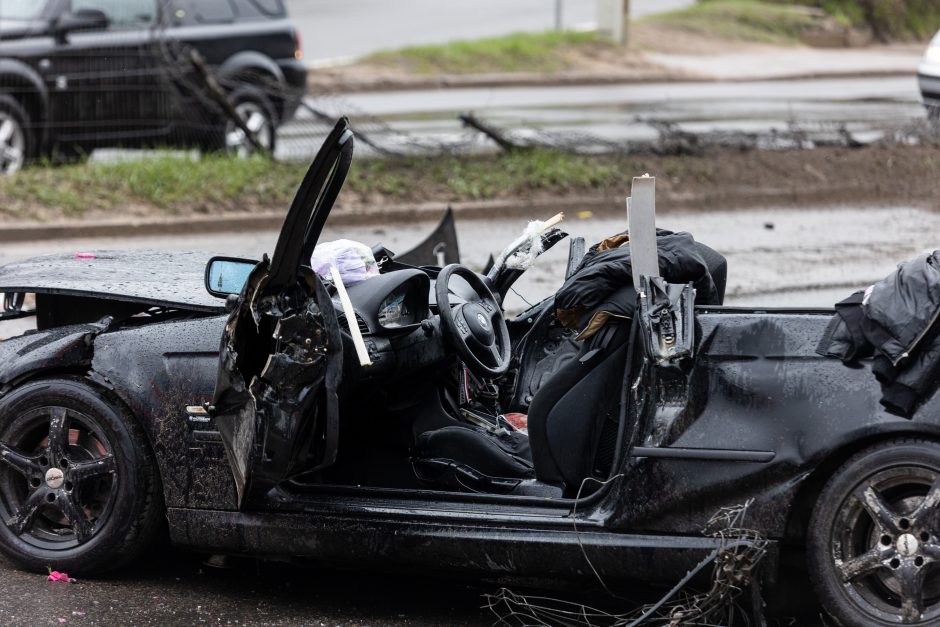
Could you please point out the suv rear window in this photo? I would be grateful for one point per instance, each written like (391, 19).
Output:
(214, 11)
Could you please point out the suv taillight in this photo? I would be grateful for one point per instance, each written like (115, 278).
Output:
(299, 48)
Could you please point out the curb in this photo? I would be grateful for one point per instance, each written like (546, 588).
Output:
(317, 83)
(272, 221)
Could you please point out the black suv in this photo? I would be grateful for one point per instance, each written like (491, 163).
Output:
(81, 74)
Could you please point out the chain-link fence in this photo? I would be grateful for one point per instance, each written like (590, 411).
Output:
(228, 76)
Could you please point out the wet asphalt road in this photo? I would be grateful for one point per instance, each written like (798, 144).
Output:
(178, 589)
(777, 257)
(808, 257)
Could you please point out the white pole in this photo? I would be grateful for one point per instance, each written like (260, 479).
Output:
(559, 10)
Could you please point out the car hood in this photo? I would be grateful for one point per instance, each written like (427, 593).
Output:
(19, 29)
(151, 277)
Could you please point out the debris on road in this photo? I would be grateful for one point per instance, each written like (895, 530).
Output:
(735, 570)
(56, 576)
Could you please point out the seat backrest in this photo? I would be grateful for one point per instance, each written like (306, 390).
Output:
(578, 407)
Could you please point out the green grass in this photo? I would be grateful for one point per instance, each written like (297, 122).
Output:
(167, 183)
(742, 20)
(172, 184)
(520, 52)
(888, 20)
(785, 21)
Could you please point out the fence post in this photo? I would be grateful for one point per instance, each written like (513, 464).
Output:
(613, 19)
(559, 11)
(625, 28)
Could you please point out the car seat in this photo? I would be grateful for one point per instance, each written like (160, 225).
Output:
(574, 418)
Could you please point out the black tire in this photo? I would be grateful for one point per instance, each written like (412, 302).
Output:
(12, 110)
(94, 511)
(258, 102)
(873, 543)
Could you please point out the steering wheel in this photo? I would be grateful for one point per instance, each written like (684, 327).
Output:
(476, 328)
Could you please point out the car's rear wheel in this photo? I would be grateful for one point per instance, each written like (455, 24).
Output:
(874, 537)
(16, 138)
(79, 489)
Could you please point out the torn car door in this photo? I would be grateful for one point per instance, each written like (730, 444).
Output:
(281, 356)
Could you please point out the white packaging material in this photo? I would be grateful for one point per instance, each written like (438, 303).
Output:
(354, 261)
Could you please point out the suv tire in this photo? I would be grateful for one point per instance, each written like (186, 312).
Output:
(259, 115)
(17, 144)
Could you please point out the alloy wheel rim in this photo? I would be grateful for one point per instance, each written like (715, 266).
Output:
(58, 478)
(236, 142)
(886, 545)
(12, 144)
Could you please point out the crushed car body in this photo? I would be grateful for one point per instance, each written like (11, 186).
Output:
(246, 418)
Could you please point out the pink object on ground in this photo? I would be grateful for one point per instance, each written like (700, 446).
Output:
(57, 576)
(84, 255)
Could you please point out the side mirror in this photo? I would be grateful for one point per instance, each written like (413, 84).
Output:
(81, 20)
(227, 275)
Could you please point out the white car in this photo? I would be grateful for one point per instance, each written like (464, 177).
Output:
(928, 74)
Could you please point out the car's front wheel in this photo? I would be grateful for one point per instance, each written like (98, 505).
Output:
(874, 537)
(79, 488)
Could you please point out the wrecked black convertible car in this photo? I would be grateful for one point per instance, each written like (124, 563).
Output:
(237, 409)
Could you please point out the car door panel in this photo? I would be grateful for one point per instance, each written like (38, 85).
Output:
(281, 355)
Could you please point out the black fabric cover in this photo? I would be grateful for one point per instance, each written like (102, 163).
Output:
(603, 282)
(569, 412)
(896, 321)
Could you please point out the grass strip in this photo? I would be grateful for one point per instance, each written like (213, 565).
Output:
(770, 22)
(519, 52)
(171, 185)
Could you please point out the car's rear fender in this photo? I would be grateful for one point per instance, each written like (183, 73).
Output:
(250, 63)
(805, 498)
(255, 69)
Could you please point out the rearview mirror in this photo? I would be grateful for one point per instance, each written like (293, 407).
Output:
(81, 20)
(227, 275)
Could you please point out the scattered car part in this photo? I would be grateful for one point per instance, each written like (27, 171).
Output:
(440, 248)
